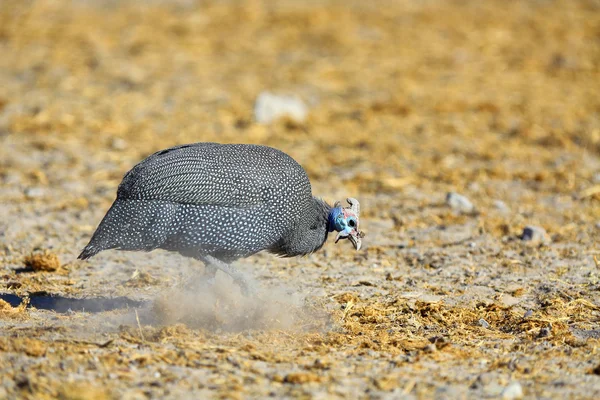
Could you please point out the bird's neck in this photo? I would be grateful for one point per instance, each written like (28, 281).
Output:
(310, 233)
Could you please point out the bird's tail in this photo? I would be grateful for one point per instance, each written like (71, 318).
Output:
(131, 225)
(89, 251)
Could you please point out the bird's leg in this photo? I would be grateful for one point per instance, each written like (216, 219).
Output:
(210, 271)
(213, 264)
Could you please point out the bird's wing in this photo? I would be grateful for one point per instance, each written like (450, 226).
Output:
(209, 173)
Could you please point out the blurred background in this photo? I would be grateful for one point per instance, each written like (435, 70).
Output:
(394, 102)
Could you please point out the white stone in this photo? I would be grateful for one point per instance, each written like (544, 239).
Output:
(35, 192)
(501, 206)
(270, 107)
(513, 391)
(459, 203)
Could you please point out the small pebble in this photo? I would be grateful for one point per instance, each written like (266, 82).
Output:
(118, 144)
(459, 203)
(528, 314)
(34, 192)
(545, 331)
(501, 206)
(484, 323)
(270, 107)
(535, 234)
(509, 301)
(513, 391)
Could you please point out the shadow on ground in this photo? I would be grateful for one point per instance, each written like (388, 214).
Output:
(62, 304)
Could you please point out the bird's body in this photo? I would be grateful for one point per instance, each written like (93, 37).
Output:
(216, 203)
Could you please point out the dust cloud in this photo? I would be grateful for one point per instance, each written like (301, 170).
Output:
(199, 303)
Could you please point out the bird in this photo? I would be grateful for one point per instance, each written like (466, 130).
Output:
(218, 203)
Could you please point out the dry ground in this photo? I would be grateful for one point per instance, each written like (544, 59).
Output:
(497, 100)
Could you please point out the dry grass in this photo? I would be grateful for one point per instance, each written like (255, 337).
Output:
(45, 261)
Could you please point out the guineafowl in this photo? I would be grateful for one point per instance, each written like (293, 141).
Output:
(218, 203)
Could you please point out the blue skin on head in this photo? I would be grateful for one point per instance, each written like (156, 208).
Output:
(345, 221)
(340, 222)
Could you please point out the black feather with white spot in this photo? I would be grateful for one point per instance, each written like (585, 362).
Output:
(208, 199)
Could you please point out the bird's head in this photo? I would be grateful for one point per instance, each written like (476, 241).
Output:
(345, 221)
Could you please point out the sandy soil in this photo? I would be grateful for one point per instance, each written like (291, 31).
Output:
(498, 101)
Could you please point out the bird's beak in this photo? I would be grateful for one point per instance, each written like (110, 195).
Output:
(354, 236)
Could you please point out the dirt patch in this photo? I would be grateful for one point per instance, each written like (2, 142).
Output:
(42, 262)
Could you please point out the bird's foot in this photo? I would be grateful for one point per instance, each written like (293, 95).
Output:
(247, 289)
(213, 264)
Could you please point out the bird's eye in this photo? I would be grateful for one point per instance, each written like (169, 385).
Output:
(351, 223)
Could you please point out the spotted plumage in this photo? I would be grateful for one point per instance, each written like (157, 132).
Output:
(218, 203)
